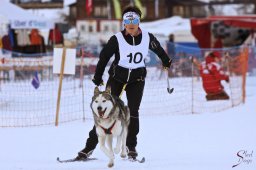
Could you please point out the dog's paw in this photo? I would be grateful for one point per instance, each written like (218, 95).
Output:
(123, 155)
(111, 164)
(116, 150)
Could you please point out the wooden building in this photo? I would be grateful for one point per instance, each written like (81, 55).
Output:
(38, 4)
(152, 9)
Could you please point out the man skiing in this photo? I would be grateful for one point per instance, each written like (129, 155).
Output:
(127, 72)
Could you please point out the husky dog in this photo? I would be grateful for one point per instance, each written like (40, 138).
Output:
(111, 120)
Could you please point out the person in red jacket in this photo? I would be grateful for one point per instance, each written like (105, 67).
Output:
(55, 36)
(212, 74)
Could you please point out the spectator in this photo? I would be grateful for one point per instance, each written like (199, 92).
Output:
(212, 74)
(55, 37)
(37, 41)
(171, 46)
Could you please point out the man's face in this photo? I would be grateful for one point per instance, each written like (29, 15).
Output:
(131, 22)
(131, 28)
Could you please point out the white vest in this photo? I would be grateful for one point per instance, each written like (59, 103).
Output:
(133, 56)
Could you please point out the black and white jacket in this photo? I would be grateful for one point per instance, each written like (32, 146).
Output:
(123, 74)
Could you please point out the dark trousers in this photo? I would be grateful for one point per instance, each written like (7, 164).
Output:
(218, 96)
(134, 93)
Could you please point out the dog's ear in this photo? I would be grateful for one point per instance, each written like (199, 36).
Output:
(108, 90)
(96, 90)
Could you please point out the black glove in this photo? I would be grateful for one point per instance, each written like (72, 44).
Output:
(97, 81)
(167, 64)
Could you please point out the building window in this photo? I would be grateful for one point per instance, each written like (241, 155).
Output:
(90, 28)
(106, 28)
(73, 11)
(82, 28)
(100, 11)
(97, 11)
(178, 10)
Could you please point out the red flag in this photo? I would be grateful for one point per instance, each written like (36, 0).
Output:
(88, 7)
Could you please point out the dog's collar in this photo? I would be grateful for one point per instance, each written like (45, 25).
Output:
(109, 130)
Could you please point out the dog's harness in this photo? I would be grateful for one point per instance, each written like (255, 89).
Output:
(108, 131)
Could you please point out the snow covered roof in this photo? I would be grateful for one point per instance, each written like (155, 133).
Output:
(167, 26)
(176, 25)
(20, 18)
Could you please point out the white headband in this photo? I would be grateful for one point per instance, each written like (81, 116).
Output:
(131, 15)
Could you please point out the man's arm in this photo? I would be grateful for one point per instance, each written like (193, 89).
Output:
(219, 73)
(106, 53)
(155, 46)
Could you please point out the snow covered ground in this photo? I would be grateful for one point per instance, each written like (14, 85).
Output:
(208, 141)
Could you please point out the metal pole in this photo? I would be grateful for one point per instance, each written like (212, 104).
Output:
(192, 93)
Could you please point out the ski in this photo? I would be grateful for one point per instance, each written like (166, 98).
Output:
(142, 160)
(75, 160)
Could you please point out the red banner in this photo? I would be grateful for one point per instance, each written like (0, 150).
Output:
(88, 7)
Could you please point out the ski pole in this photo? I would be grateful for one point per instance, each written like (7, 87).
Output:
(169, 89)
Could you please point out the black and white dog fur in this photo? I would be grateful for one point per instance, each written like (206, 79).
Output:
(111, 118)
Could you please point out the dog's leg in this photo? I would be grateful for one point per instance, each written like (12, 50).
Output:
(109, 143)
(124, 136)
(112, 157)
(118, 144)
(103, 147)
